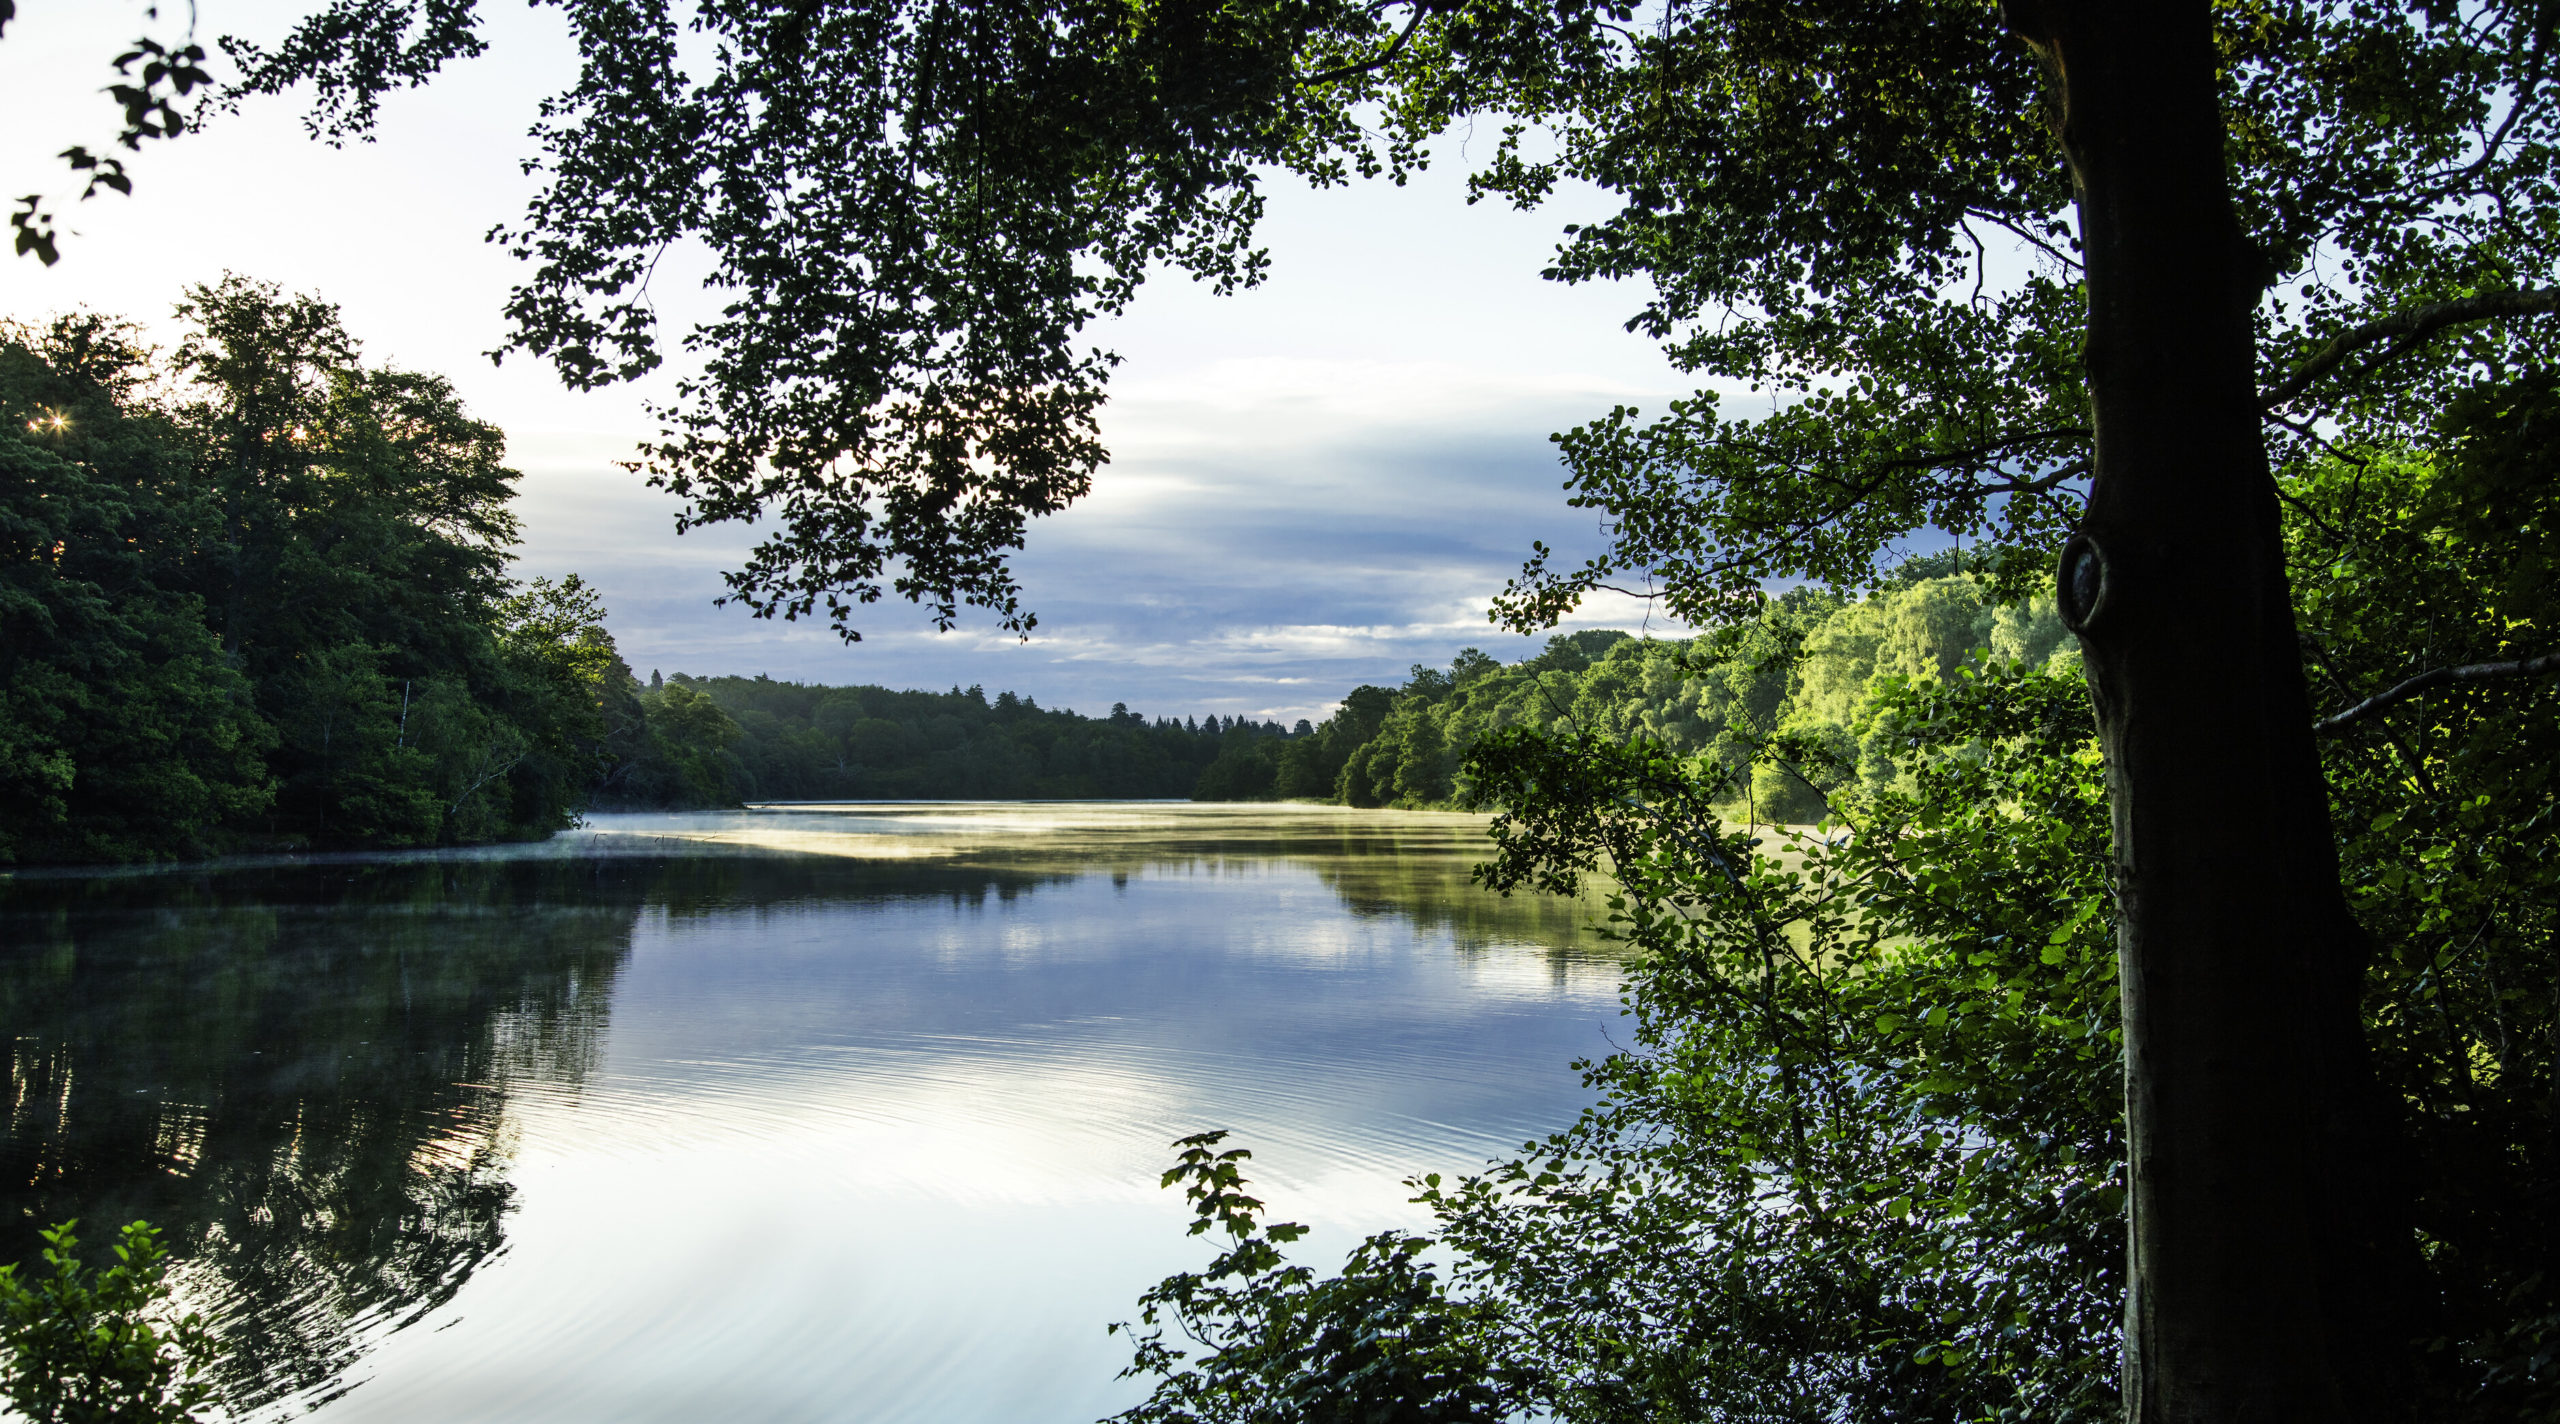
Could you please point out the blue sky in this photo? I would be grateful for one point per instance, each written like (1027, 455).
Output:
(1314, 484)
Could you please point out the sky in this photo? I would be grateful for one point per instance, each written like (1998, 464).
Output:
(1313, 485)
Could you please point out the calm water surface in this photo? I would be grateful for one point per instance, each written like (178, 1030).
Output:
(806, 1113)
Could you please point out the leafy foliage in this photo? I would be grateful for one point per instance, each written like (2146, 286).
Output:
(2447, 813)
(1864, 1160)
(258, 592)
(85, 1349)
(1864, 1157)
(1802, 666)
(913, 210)
(1868, 220)
(124, 730)
(151, 78)
(1380, 1343)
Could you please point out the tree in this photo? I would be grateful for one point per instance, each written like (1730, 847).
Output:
(1381, 1342)
(357, 573)
(124, 732)
(1246, 768)
(1865, 1157)
(562, 683)
(2434, 561)
(2270, 1263)
(689, 742)
(2268, 1260)
(274, 606)
(897, 377)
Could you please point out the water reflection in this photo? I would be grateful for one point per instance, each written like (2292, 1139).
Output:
(1413, 866)
(818, 1113)
(299, 1075)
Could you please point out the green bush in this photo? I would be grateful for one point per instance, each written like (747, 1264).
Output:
(1380, 1343)
(83, 1348)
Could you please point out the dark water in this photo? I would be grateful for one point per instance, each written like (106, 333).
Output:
(847, 1114)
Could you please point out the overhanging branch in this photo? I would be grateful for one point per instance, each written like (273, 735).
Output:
(1375, 62)
(2434, 678)
(2411, 326)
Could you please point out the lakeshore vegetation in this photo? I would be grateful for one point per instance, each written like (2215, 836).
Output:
(254, 592)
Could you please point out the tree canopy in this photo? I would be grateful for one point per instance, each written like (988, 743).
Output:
(1869, 218)
(256, 592)
(913, 211)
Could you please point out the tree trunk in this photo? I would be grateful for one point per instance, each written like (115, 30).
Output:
(2266, 1276)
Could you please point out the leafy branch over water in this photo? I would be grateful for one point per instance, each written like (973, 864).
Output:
(102, 1348)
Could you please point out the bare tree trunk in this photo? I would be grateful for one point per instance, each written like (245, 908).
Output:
(2267, 1257)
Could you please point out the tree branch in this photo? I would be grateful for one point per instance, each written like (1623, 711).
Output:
(1375, 62)
(2434, 678)
(2413, 325)
(2014, 230)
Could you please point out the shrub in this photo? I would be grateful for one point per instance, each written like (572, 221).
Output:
(83, 1348)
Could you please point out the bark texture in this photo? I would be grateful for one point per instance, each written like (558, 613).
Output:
(2265, 1251)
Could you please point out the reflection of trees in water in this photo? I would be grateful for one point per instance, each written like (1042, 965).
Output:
(1386, 868)
(762, 880)
(1418, 875)
(1422, 875)
(299, 1075)
(1413, 867)
(1439, 894)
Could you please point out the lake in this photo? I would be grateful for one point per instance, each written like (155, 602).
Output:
(798, 1113)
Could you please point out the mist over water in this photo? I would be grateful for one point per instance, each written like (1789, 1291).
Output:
(800, 1113)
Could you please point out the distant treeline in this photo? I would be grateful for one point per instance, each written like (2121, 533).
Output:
(253, 594)
(1800, 670)
(711, 741)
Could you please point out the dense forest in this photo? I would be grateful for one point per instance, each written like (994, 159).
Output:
(1802, 670)
(716, 741)
(253, 593)
(255, 597)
